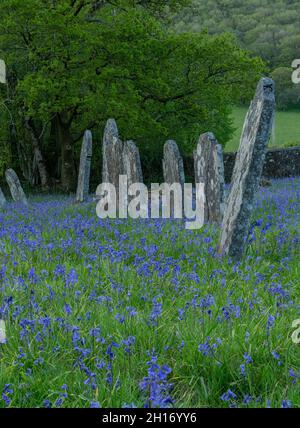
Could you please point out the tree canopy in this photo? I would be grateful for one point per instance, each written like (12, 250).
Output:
(268, 28)
(73, 64)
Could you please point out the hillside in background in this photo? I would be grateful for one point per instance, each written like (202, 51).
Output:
(269, 28)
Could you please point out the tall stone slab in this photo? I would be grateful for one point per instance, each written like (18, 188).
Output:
(2, 199)
(85, 167)
(132, 163)
(209, 170)
(15, 187)
(247, 170)
(173, 173)
(221, 175)
(173, 164)
(112, 155)
(2, 72)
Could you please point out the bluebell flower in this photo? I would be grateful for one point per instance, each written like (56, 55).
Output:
(47, 404)
(156, 386)
(6, 392)
(247, 399)
(294, 375)
(286, 404)
(95, 405)
(155, 313)
(228, 395)
(277, 357)
(247, 358)
(129, 406)
(270, 322)
(68, 309)
(243, 370)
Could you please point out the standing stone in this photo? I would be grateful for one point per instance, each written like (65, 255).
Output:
(84, 167)
(2, 80)
(2, 199)
(247, 170)
(15, 187)
(209, 170)
(221, 175)
(2, 72)
(173, 164)
(173, 173)
(112, 155)
(2, 332)
(132, 163)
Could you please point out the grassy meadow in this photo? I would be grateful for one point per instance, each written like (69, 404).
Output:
(119, 313)
(287, 128)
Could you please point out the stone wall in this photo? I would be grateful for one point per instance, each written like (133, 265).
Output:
(279, 163)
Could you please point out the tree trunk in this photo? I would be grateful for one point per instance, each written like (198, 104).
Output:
(54, 150)
(68, 171)
(39, 158)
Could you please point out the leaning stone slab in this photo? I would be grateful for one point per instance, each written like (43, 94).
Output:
(173, 164)
(84, 167)
(15, 187)
(132, 163)
(112, 155)
(209, 170)
(247, 170)
(2, 199)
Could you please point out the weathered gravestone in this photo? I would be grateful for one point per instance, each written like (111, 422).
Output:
(84, 167)
(132, 163)
(112, 155)
(247, 170)
(173, 164)
(221, 170)
(173, 174)
(2, 80)
(15, 187)
(2, 199)
(209, 170)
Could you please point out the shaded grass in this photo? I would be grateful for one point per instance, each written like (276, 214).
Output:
(102, 270)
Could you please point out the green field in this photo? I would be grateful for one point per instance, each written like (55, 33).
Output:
(287, 128)
(117, 312)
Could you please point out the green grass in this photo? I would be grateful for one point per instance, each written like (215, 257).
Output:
(64, 272)
(287, 128)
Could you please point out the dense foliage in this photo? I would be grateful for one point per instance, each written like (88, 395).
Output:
(269, 28)
(73, 64)
(143, 312)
